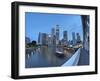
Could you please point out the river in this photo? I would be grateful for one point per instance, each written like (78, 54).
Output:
(44, 56)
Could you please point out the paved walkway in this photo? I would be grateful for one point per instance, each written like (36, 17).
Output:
(84, 57)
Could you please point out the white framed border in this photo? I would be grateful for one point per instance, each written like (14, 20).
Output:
(54, 70)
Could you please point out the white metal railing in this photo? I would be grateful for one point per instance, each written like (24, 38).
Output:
(73, 60)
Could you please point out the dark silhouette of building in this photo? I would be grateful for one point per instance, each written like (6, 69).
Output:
(65, 36)
(73, 38)
(78, 39)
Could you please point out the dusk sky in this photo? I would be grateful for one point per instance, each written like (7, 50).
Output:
(44, 22)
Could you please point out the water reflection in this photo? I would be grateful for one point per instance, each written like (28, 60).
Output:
(44, 56)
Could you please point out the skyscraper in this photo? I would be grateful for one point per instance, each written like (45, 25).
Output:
(57, 34)
(39, 38)
(44, 38)
(52, 32)
(73, 38)
(53, 39)
(65, 36)
(78, 37)
(49, 39)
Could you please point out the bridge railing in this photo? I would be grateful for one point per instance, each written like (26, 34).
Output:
(73, 60)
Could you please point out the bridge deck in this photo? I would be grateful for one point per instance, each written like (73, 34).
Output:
(84, 57)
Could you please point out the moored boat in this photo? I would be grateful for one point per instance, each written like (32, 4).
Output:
(59, 54)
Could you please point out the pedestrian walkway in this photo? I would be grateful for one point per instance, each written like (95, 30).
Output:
(84, 57)
(73, 61)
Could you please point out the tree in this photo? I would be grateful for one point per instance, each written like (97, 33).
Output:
(33, 42)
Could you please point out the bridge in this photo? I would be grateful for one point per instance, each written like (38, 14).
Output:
(81, 57)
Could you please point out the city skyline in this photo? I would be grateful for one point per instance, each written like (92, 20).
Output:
(34, 26)
(53, 38)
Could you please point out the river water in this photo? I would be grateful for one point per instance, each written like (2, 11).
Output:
(44, 57)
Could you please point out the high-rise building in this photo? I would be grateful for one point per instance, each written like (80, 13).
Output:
(44, 39)
(57, 34)
(49, 39)
(78, 38)
(52, 32)
(53, 39)
(73, 38)
(39, 38)
(64, 41)
(65, 36)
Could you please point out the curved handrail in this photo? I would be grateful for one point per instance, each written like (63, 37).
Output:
(73, 60)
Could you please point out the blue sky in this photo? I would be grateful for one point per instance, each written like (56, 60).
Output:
(44, 22)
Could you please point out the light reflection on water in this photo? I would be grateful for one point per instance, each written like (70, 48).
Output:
(44, 57)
